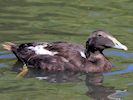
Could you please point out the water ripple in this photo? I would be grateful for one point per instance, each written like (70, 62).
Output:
(117, 53)
(2, 65)
(129, 69)
(7, 56)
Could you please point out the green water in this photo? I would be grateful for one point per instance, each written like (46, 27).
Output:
(62, 20)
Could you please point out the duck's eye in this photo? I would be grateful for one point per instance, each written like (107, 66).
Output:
(99, 35)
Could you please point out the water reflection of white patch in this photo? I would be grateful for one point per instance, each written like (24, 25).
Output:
(41, 78)
(129, 69)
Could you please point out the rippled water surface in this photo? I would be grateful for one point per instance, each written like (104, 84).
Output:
(66, 20)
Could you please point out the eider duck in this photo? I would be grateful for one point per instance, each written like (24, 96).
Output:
(61, 56)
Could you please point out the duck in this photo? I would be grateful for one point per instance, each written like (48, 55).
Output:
(60, 56)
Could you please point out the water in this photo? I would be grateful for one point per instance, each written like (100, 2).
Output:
(127, 70)
(129, 67)
(60, 20)
(120, 54)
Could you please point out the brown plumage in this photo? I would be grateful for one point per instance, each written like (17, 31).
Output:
(60, 56)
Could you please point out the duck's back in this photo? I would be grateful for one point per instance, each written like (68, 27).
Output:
(52, 56)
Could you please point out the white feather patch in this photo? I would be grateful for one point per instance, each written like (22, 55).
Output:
(41, 78)
(82, 54)
(39, 49)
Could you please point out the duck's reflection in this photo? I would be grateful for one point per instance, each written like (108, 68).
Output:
(93, 81)
(59, 76)
(99, 92)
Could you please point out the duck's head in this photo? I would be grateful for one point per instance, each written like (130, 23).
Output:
(100, 40)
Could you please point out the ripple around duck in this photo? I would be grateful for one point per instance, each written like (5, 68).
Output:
(120, 54)
(129, 69)
(130, 83)
(2, 65)
(6, 56)
(3, 52)
(117, 53)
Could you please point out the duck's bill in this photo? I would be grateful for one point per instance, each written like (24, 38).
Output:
(117, 44)
(120, 46)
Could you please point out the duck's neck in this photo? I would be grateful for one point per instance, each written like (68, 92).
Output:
(92, 51)
(96, 61)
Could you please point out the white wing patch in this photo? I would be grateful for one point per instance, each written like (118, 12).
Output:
(82, 54)
(40, 49)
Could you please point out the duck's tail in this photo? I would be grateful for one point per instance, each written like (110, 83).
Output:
(8, 45)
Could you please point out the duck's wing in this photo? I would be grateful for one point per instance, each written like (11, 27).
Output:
(50, 63)
(58, 56)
